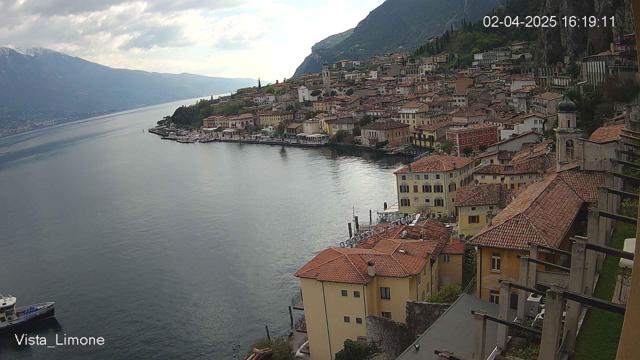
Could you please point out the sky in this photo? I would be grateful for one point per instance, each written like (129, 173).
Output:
(231, 38)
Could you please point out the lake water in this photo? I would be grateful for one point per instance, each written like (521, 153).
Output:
(168, 250)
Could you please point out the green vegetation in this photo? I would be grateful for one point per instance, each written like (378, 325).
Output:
(354, 350)
(600, 333)
(446, 295)
(280, 347)
(191, 116)
(595, 106)
(447, 146)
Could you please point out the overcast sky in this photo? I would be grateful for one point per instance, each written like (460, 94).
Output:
(234, 38)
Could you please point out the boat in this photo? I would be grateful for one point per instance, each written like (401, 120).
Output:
(12, 318)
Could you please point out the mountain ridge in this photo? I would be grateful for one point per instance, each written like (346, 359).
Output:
(396, 25)
(39, 85)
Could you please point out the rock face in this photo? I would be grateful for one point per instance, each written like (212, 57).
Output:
(560, 42)
(395, 25)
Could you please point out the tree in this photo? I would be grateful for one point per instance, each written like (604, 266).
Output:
(316, 92)
(447, 146)
(446, 295)
(350, 92)
(467, 151)
(354, 350)
(483, 148)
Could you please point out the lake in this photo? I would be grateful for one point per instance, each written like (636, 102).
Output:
(168, 250)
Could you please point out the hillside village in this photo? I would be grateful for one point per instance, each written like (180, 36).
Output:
(505, 185)
(513, 175)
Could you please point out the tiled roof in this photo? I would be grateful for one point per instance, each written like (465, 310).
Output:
(487, 194)
(391, 257)
(543, 213)
(455, 247)
(384, 125)
(436, 163)
(607, 134)
(549, 96)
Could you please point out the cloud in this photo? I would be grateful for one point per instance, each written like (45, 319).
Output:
(244, 38)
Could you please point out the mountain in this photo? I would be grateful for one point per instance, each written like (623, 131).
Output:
(40, 85)
(395, 25)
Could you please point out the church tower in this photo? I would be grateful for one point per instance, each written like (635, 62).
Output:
(567, 133)
(326, 79)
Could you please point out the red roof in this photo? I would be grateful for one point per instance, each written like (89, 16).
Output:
(436, 163)
(543, 213)
(607, 134)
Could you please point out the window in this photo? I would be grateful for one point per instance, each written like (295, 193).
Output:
(347, 319)
(426, 188)
(426, 177)
(358, 320)
(405, 202)
(385, 293)
(404, 188)
(494, 296)
(386, 314)
(438, 202)
(495, 262)
(343, 292)
(452, 187)
(419, 278)
(446, 258)
(356, 294)
(437, 176)
(417, 177)
(438, 188)
(474, 219)
(404, 177)
(415, 188)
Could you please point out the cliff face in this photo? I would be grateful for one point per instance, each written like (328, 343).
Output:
(396, 25)
(556, 43)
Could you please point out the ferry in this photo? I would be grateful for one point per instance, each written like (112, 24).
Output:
(12, 318)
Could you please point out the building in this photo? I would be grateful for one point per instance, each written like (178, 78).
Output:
(274, 118)
(311, 126)
(475, 137)
(531, 122)
(430, 184)
(304, 94)
(326, 105)
(389, 131)
(342, 286)
(567, 133)
(508, 176)
(476, 205)
(516, 142)
(333, 125)
(545, 213)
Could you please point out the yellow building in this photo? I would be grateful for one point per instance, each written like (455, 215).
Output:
(476, 205)
(505, 175)
(544, 213)
(274, 118)
(430, 183)
(342, 286)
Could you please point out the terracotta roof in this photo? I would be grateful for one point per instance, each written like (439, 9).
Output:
(549, 96)
(455, 247)
(384, 125)
(391, 257)
(435, 163)
(486, 194)
(543, 213)
(607, 134)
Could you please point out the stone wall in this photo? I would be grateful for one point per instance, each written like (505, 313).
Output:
(393, 337)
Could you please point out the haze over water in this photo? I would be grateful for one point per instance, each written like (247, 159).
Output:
(168, 250)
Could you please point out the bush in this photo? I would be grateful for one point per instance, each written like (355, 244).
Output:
(354, 350)
(280, 347)
(446, 295)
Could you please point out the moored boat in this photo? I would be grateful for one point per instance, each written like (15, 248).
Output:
(13, 318)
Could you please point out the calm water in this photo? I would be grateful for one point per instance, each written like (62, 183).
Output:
(167, 250)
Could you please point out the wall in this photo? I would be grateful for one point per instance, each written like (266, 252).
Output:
(490, 280)
(464, 227)
(450, 272)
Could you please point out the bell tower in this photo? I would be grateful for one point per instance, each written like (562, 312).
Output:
(567, 133)
(326, 79)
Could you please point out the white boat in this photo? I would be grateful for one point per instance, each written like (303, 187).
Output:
(12, 318)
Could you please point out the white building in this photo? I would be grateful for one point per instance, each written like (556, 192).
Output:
(303, 94)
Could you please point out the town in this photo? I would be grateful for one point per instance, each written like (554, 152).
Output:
(518, 201)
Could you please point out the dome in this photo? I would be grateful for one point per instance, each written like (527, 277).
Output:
(566, 105)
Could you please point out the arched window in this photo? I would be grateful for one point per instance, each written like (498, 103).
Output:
(452, 187)
(569, 149)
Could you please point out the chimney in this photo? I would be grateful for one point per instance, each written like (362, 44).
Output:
(371, 270)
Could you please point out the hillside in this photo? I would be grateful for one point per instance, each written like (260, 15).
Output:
(41, 85)
(394, 26)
